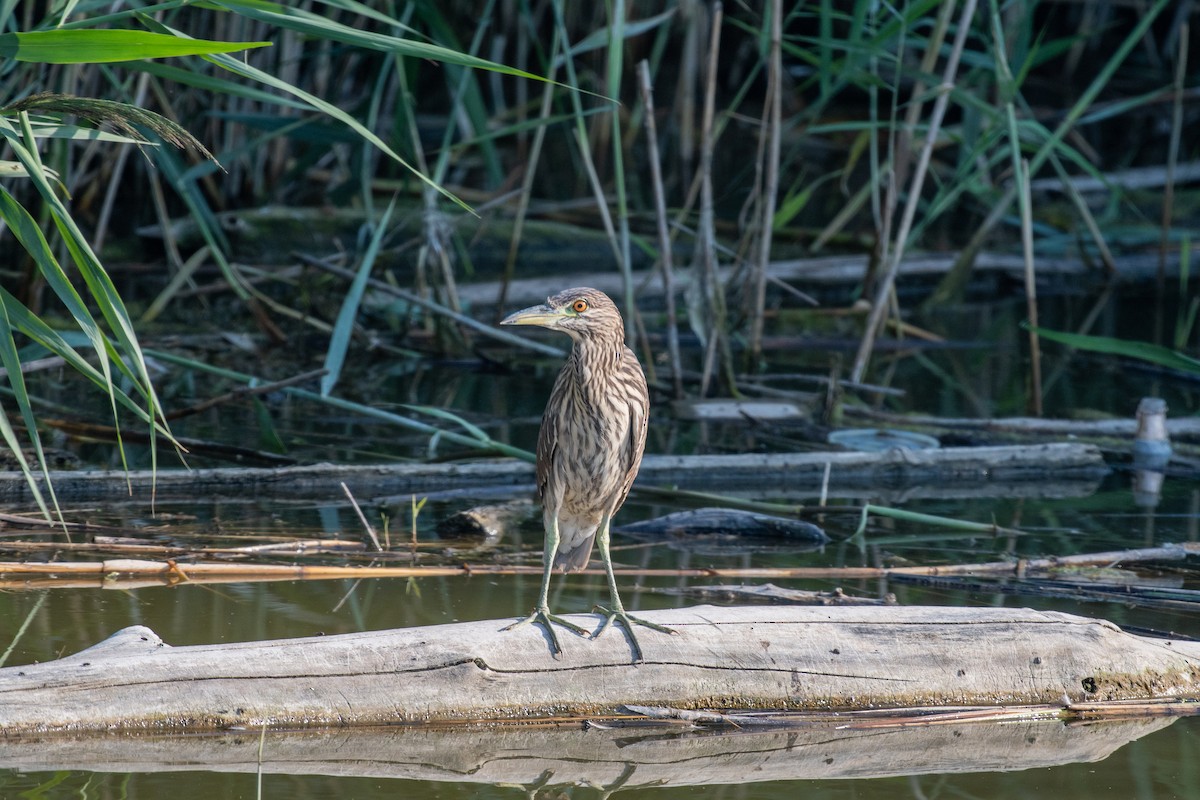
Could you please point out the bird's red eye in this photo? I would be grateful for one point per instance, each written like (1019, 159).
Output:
(579, 306)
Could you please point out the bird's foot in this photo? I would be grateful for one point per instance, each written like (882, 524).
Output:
(543, 617)
(620, 615)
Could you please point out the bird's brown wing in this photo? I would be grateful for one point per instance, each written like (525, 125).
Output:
(547, 444)
(639, 416)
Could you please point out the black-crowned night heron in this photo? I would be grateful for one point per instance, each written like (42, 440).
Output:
(589, 447)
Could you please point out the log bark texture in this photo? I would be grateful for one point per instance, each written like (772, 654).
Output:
(720, 658)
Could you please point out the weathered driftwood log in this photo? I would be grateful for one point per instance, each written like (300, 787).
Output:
(259, 236)
(968, 465)
(721, 658)
(598, 756)
(1180, 429)
(821, 270)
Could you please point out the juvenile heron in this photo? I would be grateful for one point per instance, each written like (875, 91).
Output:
(589, 447)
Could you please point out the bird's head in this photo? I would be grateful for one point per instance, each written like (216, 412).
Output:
(583, 314)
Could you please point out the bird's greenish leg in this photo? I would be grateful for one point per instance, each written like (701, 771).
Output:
(617, 612)
(542, 614)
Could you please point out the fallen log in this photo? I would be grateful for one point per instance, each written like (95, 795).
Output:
(820, 270)
(965, 465)
(1180, 429)
(779, 658)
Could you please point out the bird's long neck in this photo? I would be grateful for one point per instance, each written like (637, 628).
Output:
(596, 357)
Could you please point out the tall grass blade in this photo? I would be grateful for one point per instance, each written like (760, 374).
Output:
(104, 294)
(107, 45)
(1109, 68)
(339, 340)
(29, 324)
(315, 103)
(627, 30)
(200, 212)
(37, 606)
(312, 24)
(367, 411)
(1143, 351)
(466, 94)
(614, 72)
(926, 519)
(1185, 321)
(16, 381)
(879, 305)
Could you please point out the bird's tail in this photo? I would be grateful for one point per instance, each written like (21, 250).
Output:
(576, 534)
(573, 559)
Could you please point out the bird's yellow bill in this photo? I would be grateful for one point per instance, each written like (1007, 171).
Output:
(534, 315)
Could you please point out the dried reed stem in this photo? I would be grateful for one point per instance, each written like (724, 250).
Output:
(664, 236)
(1168, 208)
(879, 307)
(1035, 356)
(772, 121)
(14, 575)
(712, 301)
(435, 307)
(531, 165)
(362, 517)
(246, 391)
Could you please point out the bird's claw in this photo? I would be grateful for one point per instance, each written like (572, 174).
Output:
(620, 615)
(547, 620)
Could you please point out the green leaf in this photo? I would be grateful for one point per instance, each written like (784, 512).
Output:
(1143, 351)
(268, 436)
(927, 519)
(307, 22)
(16, 381)
(450, 416)
(601, 36)
(481, 439)
(104, 46)
(23, 320)
(103, 293)
(339, 340)
(265, 78)
(45, 129)
(127, 118)
(216, 85)
(15, 169)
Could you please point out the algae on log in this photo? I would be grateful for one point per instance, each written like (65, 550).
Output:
(721, 658)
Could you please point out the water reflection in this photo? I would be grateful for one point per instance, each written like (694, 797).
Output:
(820, 760)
